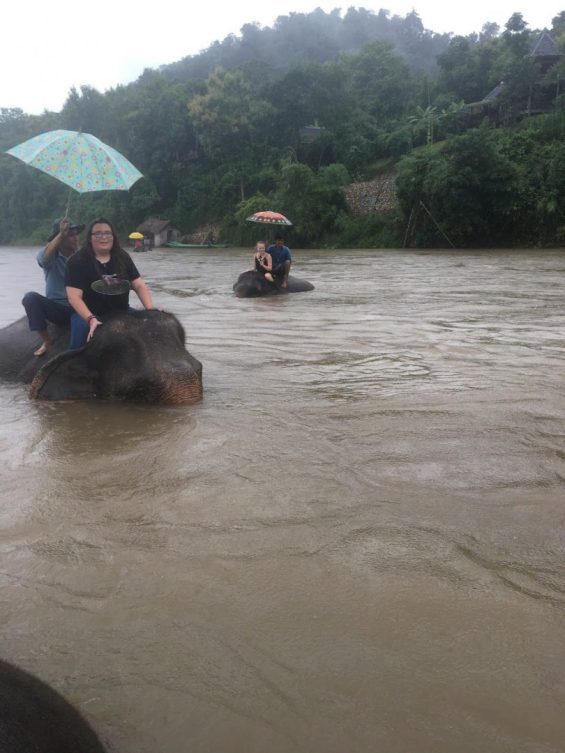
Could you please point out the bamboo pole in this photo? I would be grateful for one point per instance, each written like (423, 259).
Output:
(435, 223)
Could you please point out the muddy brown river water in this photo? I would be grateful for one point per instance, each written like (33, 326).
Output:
(354, 544)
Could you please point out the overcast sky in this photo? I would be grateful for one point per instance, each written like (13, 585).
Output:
(48, 47)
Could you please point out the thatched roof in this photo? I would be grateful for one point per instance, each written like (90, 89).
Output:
(495, 93)
(545, 47)
(153, 225)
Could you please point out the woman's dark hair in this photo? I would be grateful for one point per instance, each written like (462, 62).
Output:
(119, 256)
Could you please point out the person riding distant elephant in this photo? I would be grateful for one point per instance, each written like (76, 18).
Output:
(263, 261)
(282, 260)
(270, 273)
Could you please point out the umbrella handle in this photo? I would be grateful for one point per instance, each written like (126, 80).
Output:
(68, 209)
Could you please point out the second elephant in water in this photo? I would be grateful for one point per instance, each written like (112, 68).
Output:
(252, 284)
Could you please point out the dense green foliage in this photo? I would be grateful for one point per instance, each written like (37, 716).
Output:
(490, 186)
(220, 135)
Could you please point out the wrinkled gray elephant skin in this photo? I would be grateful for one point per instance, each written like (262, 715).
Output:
(251, 284)
(139, 357)
(36, 719)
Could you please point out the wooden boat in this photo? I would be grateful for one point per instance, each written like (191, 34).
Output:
(177, 244)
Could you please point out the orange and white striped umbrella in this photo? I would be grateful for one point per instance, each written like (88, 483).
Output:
(269, 218)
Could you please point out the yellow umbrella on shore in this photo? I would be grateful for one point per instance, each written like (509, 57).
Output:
(135, 236)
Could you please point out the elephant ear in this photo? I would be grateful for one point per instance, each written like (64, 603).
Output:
(65, 377)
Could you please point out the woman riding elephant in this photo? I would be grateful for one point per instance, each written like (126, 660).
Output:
(98, 279)
(263, 262)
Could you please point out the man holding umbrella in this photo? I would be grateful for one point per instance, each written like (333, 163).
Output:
(53, 306)
(282, 260)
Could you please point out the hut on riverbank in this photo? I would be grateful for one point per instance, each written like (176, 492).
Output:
(159, 231)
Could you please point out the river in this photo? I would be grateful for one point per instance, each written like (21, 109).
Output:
(354, 544)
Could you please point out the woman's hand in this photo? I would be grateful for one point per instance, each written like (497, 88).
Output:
(93, 324)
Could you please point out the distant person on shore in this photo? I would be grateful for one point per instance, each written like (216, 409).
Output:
(53, 306)
(263, 261)
(280, 255)
(98, 280)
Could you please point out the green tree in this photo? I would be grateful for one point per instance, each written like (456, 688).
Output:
(85, 111)
(468, 187)
(465, 68)
(425, 120)
(314, 201)
(232, 124)
(380, 81)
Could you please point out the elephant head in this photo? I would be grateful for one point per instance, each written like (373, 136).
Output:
(139, 357)
(34, 717)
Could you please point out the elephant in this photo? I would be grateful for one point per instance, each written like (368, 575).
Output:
(34, 717)
(138, 356)
(252, 284)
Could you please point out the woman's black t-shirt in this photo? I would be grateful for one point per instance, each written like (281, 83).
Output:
(83, 269)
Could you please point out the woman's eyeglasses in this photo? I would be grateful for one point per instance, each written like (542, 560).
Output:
(102, 234)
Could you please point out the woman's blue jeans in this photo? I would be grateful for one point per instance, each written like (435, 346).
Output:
(80, 329)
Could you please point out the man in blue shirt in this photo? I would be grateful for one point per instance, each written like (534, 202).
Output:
(53, 306)
(282, 260)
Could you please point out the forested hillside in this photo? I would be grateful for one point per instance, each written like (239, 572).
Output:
(221, 134)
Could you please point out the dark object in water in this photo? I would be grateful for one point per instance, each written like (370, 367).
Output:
(34, 718)
(252, 284)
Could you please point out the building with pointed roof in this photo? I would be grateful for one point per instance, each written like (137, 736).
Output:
(542, 92)
(545, 51)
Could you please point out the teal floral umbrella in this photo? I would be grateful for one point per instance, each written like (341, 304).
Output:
(79, 160)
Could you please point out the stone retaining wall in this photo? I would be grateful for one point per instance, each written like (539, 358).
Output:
(377, 195)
